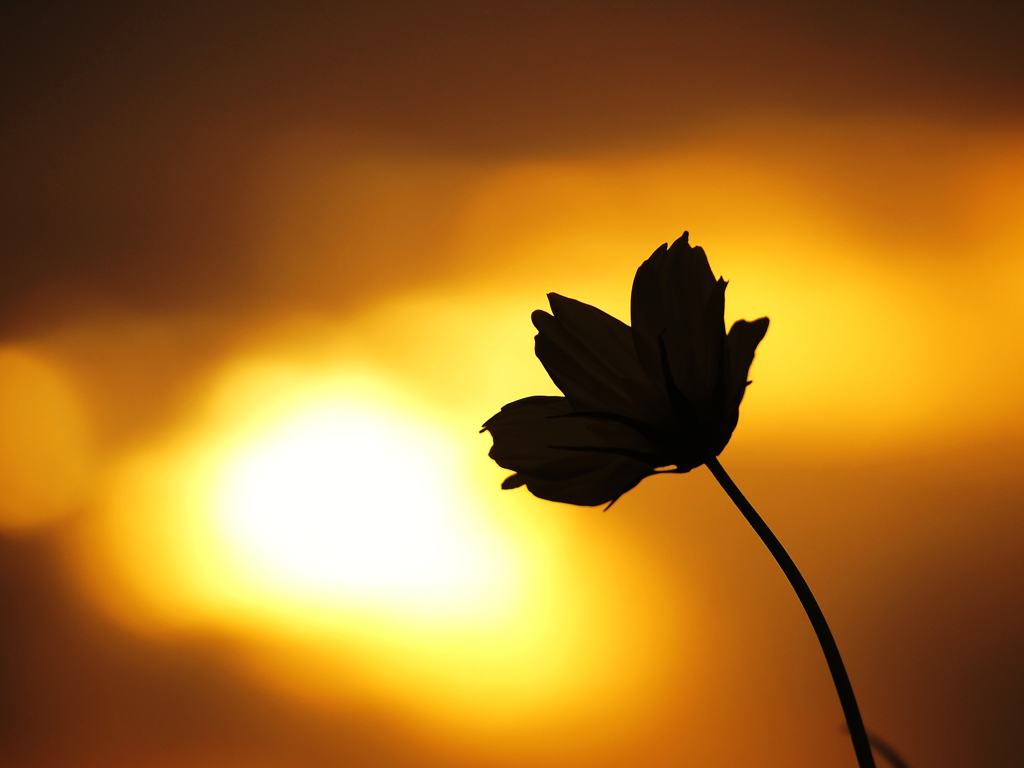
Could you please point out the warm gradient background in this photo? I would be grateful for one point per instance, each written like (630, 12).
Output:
(265, 271)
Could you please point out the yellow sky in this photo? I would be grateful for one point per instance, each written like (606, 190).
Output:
(309, 484)
(268, 270)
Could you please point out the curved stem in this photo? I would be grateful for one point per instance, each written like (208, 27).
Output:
(861, 745)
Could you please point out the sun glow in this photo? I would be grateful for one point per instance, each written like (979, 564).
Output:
(348, 537)
(304, 499)
(344, 498)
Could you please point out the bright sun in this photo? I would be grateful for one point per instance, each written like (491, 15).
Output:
(346, 499)
(339, 525)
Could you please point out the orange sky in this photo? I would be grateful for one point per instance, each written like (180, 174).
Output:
(267, 271)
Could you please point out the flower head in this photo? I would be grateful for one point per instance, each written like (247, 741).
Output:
(660, 396)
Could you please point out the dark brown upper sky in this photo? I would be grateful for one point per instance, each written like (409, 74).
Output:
(468, 77)
(129, 130)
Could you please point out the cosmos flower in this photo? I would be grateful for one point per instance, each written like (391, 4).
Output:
(660, 396)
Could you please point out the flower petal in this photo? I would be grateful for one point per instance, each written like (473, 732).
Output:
(590, 357)
(742, 342)
(603, 486)
(563, 456)
(677, 301)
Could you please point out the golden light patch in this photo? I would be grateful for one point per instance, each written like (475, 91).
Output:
(46, 452)
(355, 540)
(343, 497)
(317, 487)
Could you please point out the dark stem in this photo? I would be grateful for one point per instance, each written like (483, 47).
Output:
(861, 745)
(886, 750)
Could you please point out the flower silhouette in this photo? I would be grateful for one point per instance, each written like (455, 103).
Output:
(662, 396)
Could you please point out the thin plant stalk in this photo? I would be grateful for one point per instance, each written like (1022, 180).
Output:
(861, 744)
